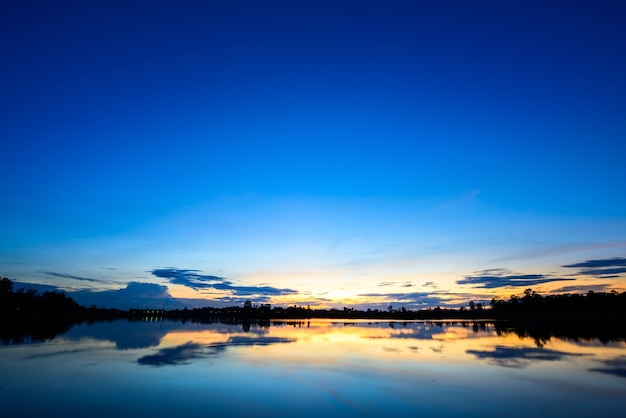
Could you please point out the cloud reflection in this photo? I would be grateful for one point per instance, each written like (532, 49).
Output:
(420, 332)
(519, 357)
(616, 367)
(173, 355)
(182, 354)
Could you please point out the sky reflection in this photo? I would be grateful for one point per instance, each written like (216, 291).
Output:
(310, 368)
(519, 357)
(615, 366)
(188, 351)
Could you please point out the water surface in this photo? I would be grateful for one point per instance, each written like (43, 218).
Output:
(310, 368)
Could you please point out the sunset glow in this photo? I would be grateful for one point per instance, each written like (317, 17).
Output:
(312, 153)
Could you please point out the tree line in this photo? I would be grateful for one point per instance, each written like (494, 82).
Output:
(27, 306)
(532, 304)
(26, 314)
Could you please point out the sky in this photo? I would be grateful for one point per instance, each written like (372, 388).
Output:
(319, 153)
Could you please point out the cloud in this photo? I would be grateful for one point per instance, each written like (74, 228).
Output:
(196, 281)
(494, 278)
(430, 284)
(189, 278)
(71, 276)
(519, 357)
(500, 277)
(153, 296)
(582, 288)
(608, 262)
(395, 284)
(230, 300)
(413, 299)
(605, 268)
(601, 273)
(36, 286)
(256, 290)
(134, 295)
(310, 301)
(47, 355)
(420, 300)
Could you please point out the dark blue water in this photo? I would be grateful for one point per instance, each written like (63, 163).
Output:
(310, 369)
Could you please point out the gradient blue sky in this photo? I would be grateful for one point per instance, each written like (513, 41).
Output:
(330, 153)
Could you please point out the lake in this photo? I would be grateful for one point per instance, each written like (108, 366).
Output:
(313, 368)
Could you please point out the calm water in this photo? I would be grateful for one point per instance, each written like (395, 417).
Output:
(305, 369)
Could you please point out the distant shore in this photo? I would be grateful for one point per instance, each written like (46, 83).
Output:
(43, 315)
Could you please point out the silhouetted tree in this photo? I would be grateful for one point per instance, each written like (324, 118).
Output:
(6, 286)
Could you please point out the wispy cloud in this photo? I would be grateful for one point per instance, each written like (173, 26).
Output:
(395, 284)
(232, 300)
(603, 272)
(582, 288)
(71, 276)
(416, 299)
(607, 262)
(494, 278)
(604, 268)
(538, 251)
(194, 280)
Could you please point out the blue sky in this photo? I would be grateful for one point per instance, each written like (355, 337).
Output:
(312, 152)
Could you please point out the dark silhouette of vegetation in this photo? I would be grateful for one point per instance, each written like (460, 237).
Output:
(576, 317)
(610, 307)
(27, 314)
(594, 306)
(267, 312)
(542, 333)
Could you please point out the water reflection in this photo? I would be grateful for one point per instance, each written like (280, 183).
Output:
(615, 366)
(183, 353)
(312, 368)
(175, 355)
(520, 357)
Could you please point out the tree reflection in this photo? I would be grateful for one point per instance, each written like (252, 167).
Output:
(543, 333)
